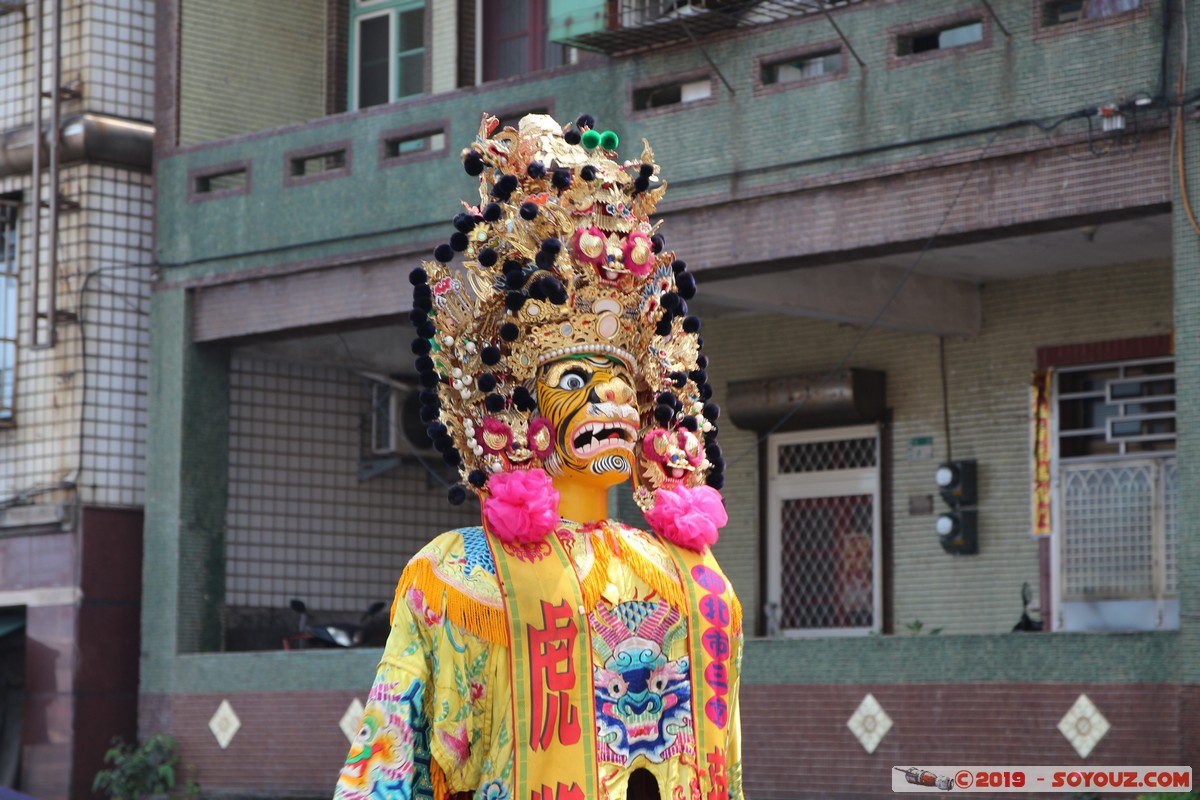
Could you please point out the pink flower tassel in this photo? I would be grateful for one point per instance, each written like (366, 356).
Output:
(689, 518)
(521, 506)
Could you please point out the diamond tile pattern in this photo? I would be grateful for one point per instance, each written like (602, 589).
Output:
(827, 562)
(1170, 528)
(224, 724)
(1084, 726)
(352, 719)
(826, 456)
(869, 723)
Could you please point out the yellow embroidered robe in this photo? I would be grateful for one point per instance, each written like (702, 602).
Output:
(440, 718)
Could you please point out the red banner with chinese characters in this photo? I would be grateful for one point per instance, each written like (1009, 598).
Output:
(1042, 442)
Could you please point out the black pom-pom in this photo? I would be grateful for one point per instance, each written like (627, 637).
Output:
(418, 277)
(416, 317)
(452, 457)
(443, 442)
(486, 382)
(428, 398)
(558, 292)
(487, 257)
(537, 289)
(476, 218)
(428, 414)
(511, 266)
(426, 330)
(685, 284)
(641, 183)
(699, 342)
(670, 300)
(646, 170)
(494, 403)
(679, 379)
(710, 435)
(702, 361)
(428, 379)
(689, 423)
(587, 172)
(422, 291)
(463, 222)
(492, 212)
(477, 478)
(716, 480)
(421, 346)
(585, 121)
(423, 304)
(711, 412)
(523, 399)
(436, 431)
(663, 413)
(717, 462)
(666, 399)
(663, 328)
(691, 324)
(505, 185)
(714, 451)
(678, 266)
(515, 279)
(473, 163)
(698, 376)
(456, 495)
(706, 391)
(545, 259)
(529, 210)
(561, 179)
(458, 241)
(514, 300)
(683, 308)
(536, 169)
(443, 253)
(509, 332)
(657, 243)
(490, 355)
(424, 364)
(551, 245)
(571, 136)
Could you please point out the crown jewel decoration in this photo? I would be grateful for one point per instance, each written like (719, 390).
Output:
(559, 258)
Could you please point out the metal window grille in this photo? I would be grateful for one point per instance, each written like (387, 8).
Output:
(826, 567)
(1117, 409)
(1119, 537)
(8, 307)
(827, 456)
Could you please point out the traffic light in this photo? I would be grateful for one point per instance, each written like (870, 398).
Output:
(957, 529)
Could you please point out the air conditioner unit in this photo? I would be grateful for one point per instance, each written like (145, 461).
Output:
(396, 427)
(635, 13)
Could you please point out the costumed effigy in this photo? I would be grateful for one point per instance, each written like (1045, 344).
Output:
(551, 653)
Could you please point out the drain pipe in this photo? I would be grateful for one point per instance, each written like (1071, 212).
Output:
(36, 239)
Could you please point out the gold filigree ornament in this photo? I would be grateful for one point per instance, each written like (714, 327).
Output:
(559, 258)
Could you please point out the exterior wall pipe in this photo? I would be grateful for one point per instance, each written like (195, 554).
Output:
(52, 189)
(36, 238)
(94, 138)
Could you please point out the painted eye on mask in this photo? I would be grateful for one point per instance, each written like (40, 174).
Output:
(572, 381)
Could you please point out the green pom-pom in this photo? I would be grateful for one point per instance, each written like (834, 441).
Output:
(609, 140)
(590, 139)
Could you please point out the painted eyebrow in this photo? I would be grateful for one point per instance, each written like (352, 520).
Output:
(556, 371)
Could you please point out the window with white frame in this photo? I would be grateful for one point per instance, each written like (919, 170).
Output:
(387, 51)
(1116, 494)
(823, 532)
(9, 211)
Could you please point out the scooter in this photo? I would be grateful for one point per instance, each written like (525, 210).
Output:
(367, 633)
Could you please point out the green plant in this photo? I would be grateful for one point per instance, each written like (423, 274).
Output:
(916, 626)
(140, 770)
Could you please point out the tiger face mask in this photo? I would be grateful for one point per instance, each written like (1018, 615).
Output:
(589, 402)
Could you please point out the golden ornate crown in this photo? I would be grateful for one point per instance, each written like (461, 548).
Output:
(559, 258)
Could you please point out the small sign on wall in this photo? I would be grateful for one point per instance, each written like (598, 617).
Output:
(920, 448)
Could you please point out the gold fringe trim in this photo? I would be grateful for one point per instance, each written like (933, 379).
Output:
(592, 586)
(438, 778)
(485, 622)
(666, 585)
(735, 615)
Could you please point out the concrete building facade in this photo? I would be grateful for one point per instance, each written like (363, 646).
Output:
(924, 236)
(76, 255)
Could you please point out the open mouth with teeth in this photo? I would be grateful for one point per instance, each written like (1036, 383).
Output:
(593, 437)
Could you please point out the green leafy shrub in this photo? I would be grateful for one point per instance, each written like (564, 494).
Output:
(135, 772)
